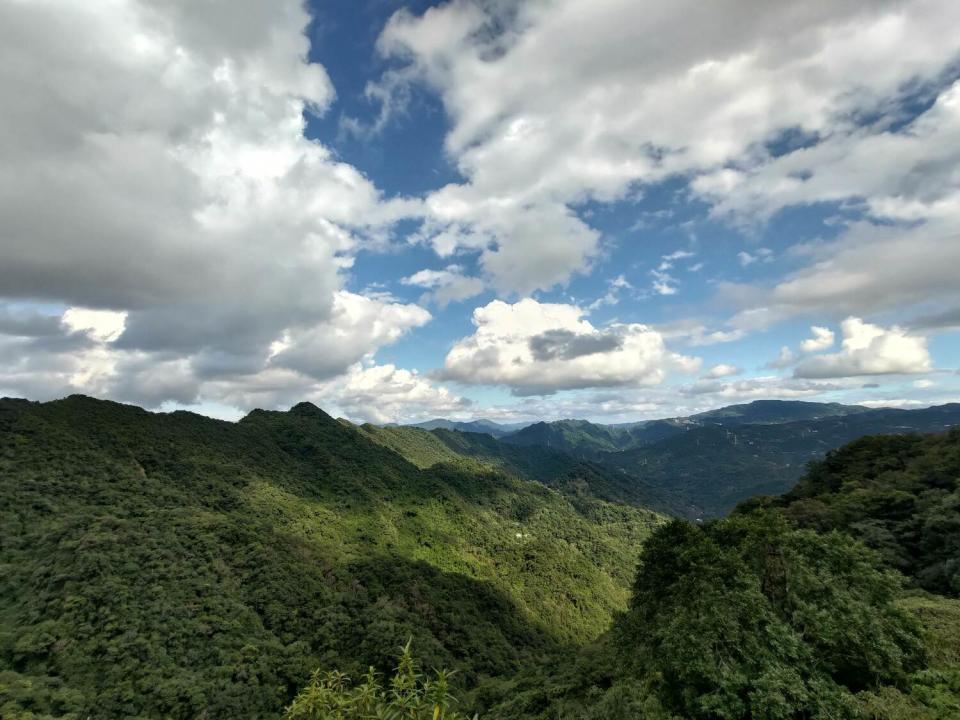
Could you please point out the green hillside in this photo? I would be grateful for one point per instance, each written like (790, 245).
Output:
(172, 566)
(899, 495)
(575, 477)
(169, 565)
(421, 447)
(776, 411)
(782, 610)
(714, 466)
(575, 437)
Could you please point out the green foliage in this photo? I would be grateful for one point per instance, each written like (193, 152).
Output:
(712, 466)
(172, 566)
(579, 438)
(899, 495)
(330, 696)
(576, 477)
(748, 618)
(175, 566)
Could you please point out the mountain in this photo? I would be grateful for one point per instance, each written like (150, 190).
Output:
(573, 475)
(752, 616)
(476, 426)
(174, 566)
(582, 438)
(579, 438)
(898, 494)
(708, 463)
(780, 611)
(171, 565)
(775, 411)
(713, 467)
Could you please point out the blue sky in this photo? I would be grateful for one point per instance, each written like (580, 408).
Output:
(401, 210)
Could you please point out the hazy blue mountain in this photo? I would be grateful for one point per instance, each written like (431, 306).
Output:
(714, 466)
(480, 425)
(582, 438)
(776, 411)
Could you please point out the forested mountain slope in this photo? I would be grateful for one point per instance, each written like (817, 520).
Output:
(572, 475)
(714, 466)
(898, 494)
(780, 611)
(576, 437)
(169, 565)
(582, 438)
(776, 411)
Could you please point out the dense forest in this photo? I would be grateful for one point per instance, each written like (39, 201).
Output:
(709, 462)
(176, 566)
(173, 566)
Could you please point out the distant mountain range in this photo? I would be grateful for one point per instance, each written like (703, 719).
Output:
(476, 426)
(584, 437)
(707, 463)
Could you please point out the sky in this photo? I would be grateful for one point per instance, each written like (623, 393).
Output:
(599, 209)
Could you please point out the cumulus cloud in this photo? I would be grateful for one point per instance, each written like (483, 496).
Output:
(869, 350)
(386, 393)
(785, 359)
(542, 120)
(158, 184)
(539, 348)
(80, 351)
(447, 285)
(357, 326)
(822, 339)
(721, 371)
(104, 325)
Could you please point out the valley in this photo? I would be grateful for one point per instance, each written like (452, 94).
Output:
(171, 565)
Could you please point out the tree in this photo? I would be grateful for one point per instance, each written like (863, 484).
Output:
(329, 696)
(746, 617)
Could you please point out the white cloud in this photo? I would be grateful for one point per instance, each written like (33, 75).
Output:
(904, 251)
(79, 353)
(539, 348)
(157, 182)
(523, 247)
(695, 334)
(104, 325)
(746, 259)
(758, 388)
(785, 359)
(869, 350)
(663, 283)
(612, 296)
(901, 174)
(386, 393)
(822, 340)
(870, 268)
(542, 120)
(899, 403)
(448, 285)
(722, 371)
(358, 326)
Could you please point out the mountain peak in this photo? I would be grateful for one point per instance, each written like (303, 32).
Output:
(308, 409)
